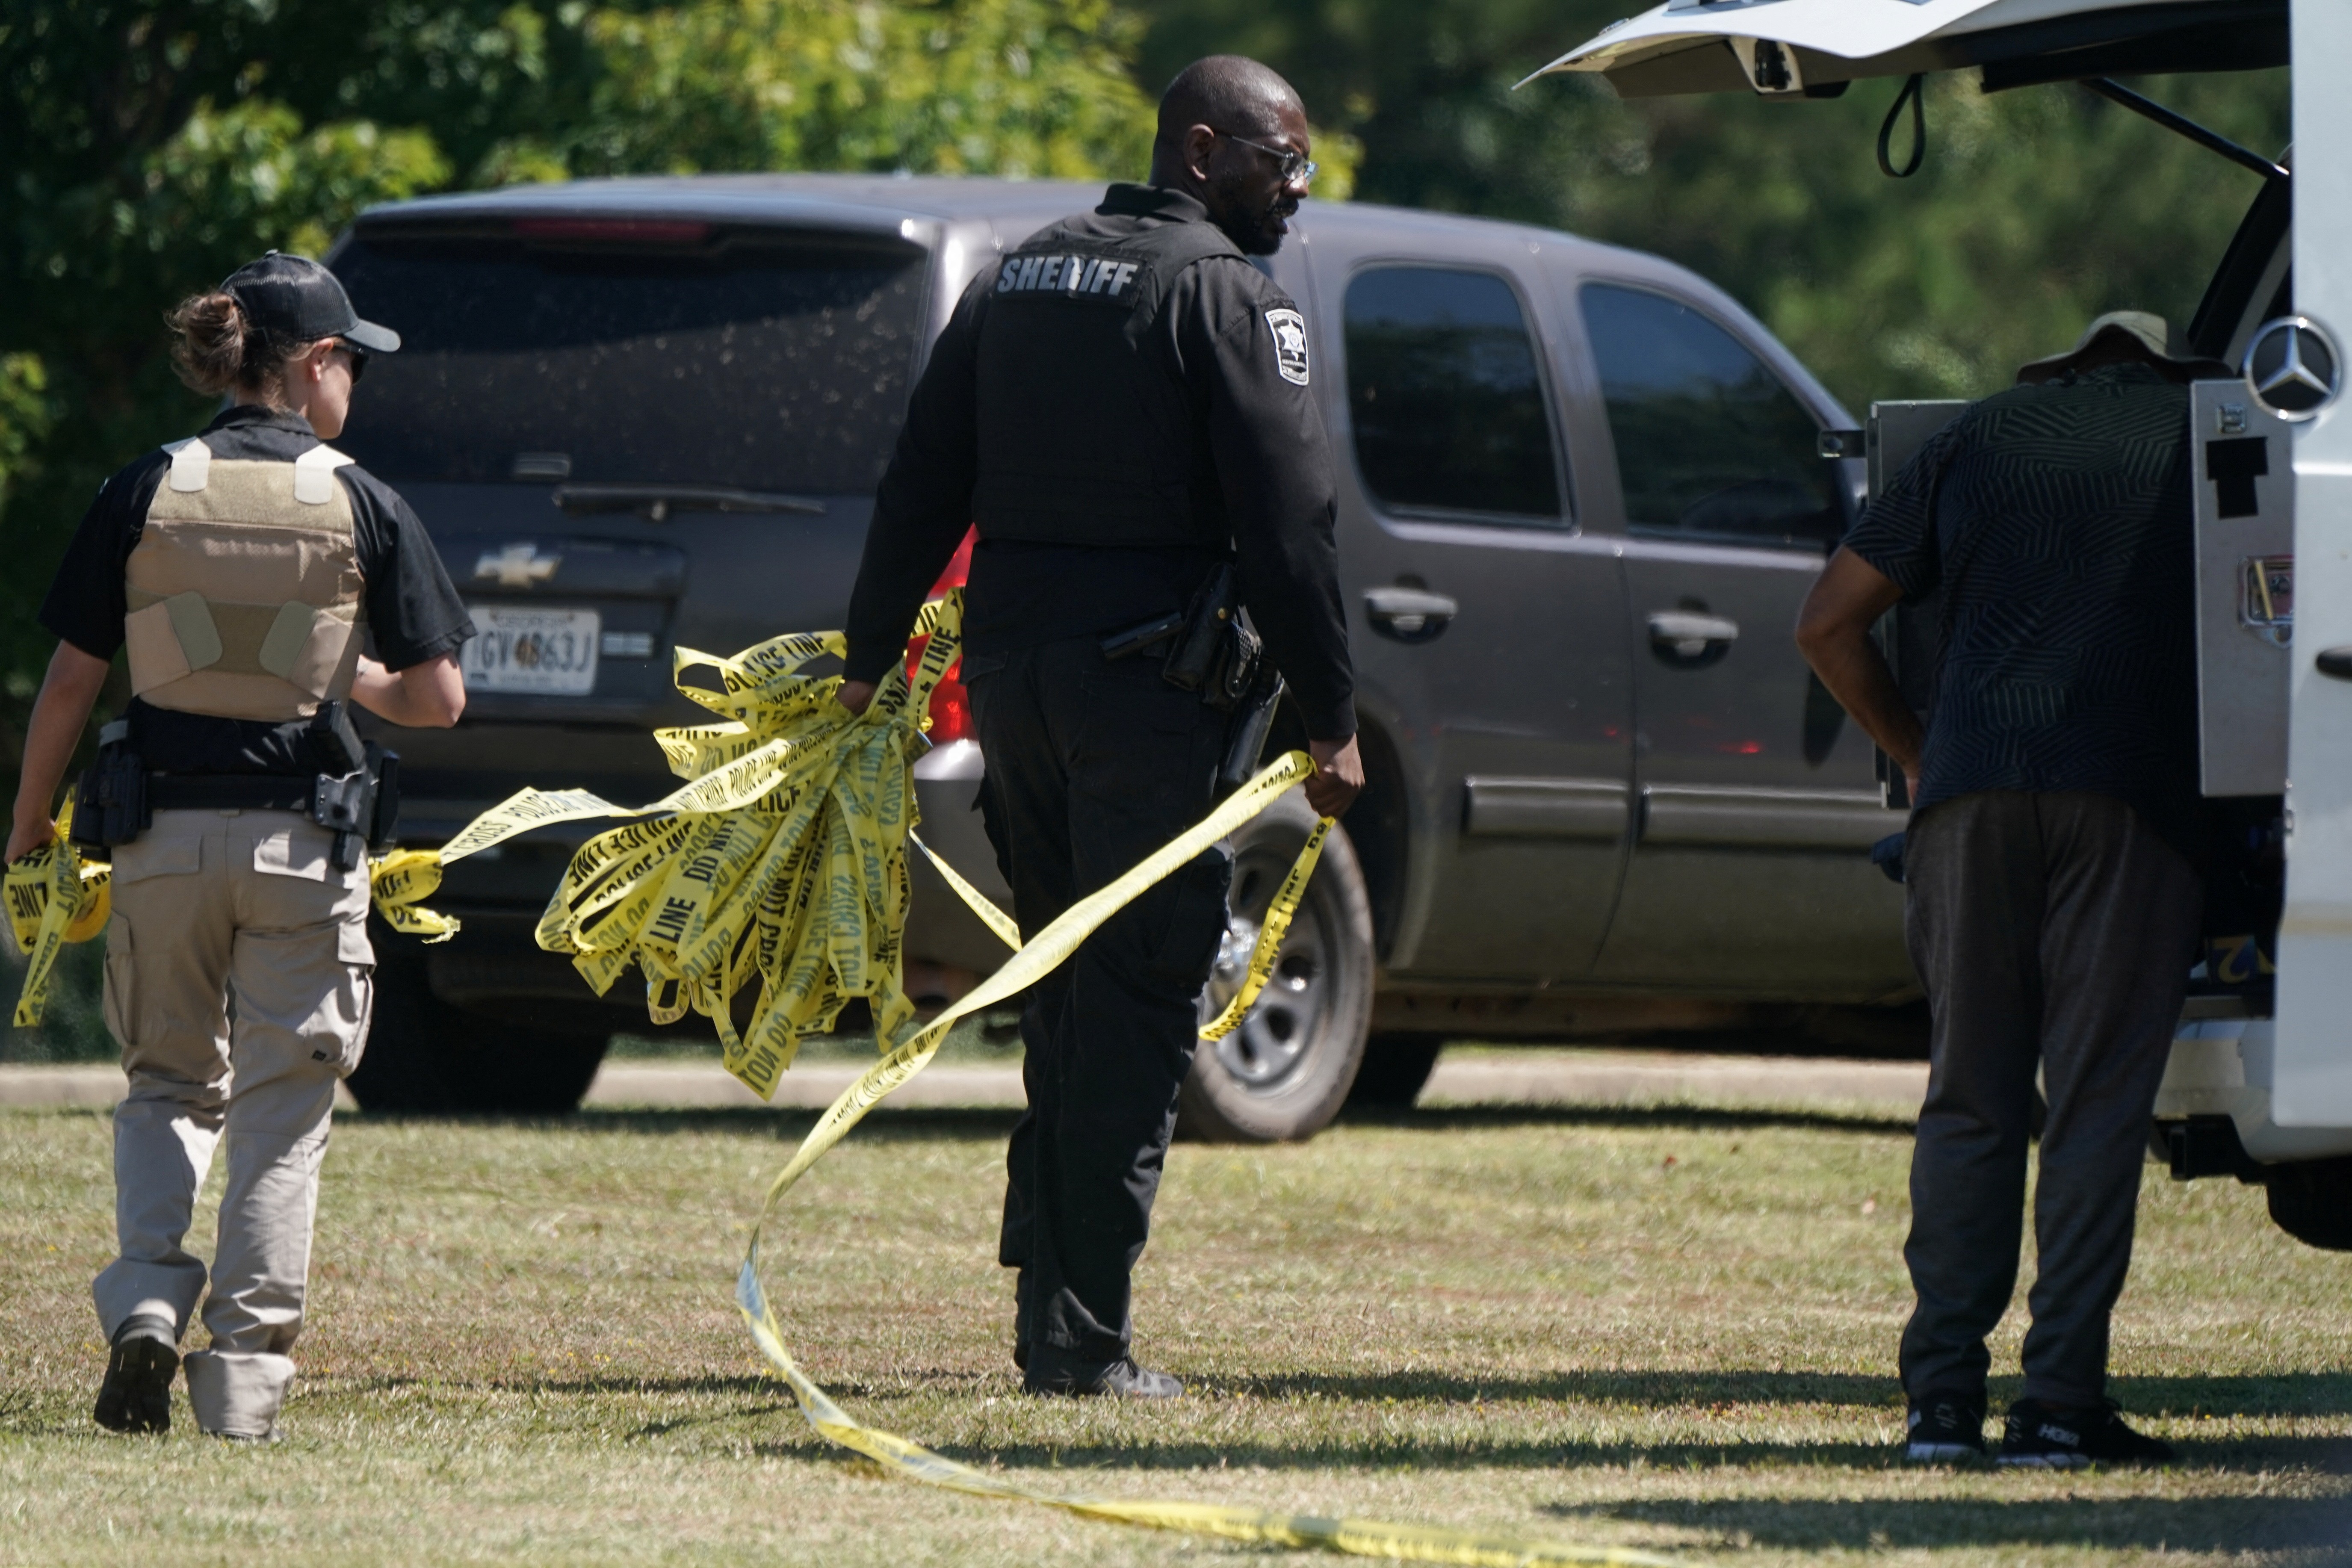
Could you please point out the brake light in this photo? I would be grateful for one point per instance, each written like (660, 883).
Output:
(949, 716)
(612, 230)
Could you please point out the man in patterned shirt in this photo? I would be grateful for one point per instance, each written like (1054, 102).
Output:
(2053, 899)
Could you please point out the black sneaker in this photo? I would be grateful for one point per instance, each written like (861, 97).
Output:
(1944, 1429)
(137, 1393)
(2042, 1436)
(1058, 1375)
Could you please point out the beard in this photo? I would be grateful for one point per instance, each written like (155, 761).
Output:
(1256, 224)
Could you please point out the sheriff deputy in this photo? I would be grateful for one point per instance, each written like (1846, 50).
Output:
(242, 569)
(1122, 405)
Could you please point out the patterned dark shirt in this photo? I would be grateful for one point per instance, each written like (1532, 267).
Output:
(2056, 520)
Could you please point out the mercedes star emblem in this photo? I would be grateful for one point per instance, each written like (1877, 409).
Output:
(2292, 368)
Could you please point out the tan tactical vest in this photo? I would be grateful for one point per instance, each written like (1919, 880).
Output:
(245, 587)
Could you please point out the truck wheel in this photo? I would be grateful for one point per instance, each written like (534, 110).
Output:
(1395, 1069)
(424, 1056)
(2312, 1202)
(1285, 1073)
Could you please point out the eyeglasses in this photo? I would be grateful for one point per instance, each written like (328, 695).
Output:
(1297, 168)
(359, 358)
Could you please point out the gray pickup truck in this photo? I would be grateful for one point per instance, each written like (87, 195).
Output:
(1581, 497)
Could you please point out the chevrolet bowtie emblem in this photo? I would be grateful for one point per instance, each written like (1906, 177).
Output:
(517, 566)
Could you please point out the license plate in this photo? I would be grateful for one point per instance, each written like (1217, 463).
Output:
(522, 649)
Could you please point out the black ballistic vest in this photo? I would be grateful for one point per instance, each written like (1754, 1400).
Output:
(1086, 431)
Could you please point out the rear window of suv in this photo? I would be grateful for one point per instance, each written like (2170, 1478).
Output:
(758, 361)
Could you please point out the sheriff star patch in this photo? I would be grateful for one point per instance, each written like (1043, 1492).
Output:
(1290, 344)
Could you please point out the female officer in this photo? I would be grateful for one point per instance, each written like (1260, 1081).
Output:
(242, 570)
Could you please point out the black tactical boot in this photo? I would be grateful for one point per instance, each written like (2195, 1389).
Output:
(1057, 1373)
(137, 1393)
(2042, 1437)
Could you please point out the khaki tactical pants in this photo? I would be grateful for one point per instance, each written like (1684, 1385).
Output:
(238, 981)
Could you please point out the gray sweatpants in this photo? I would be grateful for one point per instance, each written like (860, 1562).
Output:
(2054, 930)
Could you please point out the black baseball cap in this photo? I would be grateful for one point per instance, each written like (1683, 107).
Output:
(294, 300)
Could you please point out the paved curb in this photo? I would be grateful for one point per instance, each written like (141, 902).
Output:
(1658, 1078)
(87, 1085)
(1596, 1077)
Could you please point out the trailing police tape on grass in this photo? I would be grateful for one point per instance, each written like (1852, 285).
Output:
(783, 858)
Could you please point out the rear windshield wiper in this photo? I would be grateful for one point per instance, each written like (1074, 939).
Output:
(657, 501)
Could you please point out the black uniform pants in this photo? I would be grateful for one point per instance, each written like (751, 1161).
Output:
(1093, 764)
(2051, 929)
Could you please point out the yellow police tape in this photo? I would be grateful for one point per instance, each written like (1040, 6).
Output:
(1028, 965)
(783, 859)
(53, 898)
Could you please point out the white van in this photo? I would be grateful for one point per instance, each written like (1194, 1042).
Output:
(2260, 1084)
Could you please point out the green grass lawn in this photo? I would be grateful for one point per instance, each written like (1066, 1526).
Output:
(1672, 1329)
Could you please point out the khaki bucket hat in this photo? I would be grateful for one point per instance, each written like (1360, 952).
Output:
(2145, 327)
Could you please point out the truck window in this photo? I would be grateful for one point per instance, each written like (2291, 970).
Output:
(1710, 444)
(767, 363)
(1449, 410)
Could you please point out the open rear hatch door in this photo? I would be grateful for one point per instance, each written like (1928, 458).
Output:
(1793, 48)
(1813, 47)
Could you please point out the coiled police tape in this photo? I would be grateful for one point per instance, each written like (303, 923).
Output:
(53, 898)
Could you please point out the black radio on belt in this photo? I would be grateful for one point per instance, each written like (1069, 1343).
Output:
(110, 804)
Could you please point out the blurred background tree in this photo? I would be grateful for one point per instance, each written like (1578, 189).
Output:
(154, 145)
(2035, 209)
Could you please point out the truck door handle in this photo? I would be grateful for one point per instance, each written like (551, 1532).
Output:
(1409, 615)
(1690, 637)
(2335, 662)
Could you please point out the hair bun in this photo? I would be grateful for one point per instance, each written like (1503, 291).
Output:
(211, 343)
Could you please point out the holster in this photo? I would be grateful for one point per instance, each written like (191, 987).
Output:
(1215, 655)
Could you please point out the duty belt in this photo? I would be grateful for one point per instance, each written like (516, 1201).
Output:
(231, 792)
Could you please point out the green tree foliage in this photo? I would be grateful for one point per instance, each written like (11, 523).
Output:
(155, 144)
(2035, 210)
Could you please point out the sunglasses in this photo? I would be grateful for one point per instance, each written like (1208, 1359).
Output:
(359, 358)
(1297, 168)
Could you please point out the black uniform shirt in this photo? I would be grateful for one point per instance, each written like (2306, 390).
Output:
(1260, 447)
(414, 612)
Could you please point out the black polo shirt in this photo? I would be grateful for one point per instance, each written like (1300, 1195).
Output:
(2058, 520)
(414, 612)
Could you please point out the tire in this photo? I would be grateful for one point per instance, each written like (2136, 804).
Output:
(426, 1057)
(1394, 1070)
(1285, 1073)
(2312, 1202)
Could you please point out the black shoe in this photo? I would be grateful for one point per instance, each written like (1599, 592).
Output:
(2042, 1437)
(137, 1393)
(1944, 1429)
(1062, 1377)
